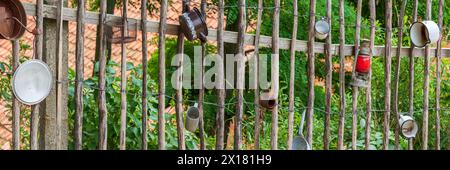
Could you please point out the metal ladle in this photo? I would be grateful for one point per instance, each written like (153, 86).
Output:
(299, 142)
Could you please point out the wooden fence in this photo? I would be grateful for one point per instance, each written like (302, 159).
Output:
(49, 119)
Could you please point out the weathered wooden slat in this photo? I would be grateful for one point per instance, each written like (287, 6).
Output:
(411, 72)
(372, 17)
(229, 36)
(340, 143)
(240, 73)
(387, 74)
(34, 122)
(438, 79)
(356, 89)
(201, 123)
(311, 72)
(59, 72)
(328, 81)
(397, 75)
(144, 74)
(220, 119)
(123, 80)
(258, 110)
(103, 115)
(426, 85)
(15, 103)
(275, 72)
(79, 55)
(162, 75)
(179, 90)
(292, 77)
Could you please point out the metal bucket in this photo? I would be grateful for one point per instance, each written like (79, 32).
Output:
(408, 126)
(424, 33)
(193, 25)
(322, 29)
(13, 19)
(32, 82)
(192, 118)
(299, 142)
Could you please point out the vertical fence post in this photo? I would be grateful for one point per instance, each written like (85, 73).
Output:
(34, 122)
(355, 88)
(387, 74)
(438, 78)
(292, 77)
(311, 72)
(328, 81)
(53, 118)
(15, 102)
(123, 80)
(397, 74)
(341, 76)
(256, 68)
(240, 72)
(179, 90)
(220, 119)
(78, 124)
(201, 123)
(275, 72)
(144, 73)
(411, 73)
(162, 75)
(372, 7)
(426, 85)
(103, 115)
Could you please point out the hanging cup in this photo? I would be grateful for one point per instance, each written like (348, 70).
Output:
(322, 29)
(32, 82)
(192, 118)
(268, 103)
(193, 25)
(13, 20)
(424, 33)
(408, 126)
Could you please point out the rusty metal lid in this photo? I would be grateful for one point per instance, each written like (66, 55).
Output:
(12, 19)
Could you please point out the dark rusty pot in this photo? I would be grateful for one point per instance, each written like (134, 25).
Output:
(13, 19)
(193, 25)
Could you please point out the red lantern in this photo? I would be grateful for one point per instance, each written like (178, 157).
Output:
(363, 64)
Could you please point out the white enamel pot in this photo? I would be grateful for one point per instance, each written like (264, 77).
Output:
(424, 33)
(408, 126)
(322, 29)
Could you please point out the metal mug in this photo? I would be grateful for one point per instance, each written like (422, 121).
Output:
(322, 29)
(424, 33)
(408, 126)
(193, 25)
(32, 82)
(13, 20)
(192, 118)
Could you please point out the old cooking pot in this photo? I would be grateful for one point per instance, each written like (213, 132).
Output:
(193, 25)
(13, 19)
(424, 33)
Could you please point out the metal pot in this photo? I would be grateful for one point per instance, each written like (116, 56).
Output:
(322, 29)
(193, 25)
(32, 82)
(13, 19)
(424, 33)
(408, 126)
(268, 103)
(192, 118)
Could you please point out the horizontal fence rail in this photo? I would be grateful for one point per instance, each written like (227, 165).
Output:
(70, 14)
